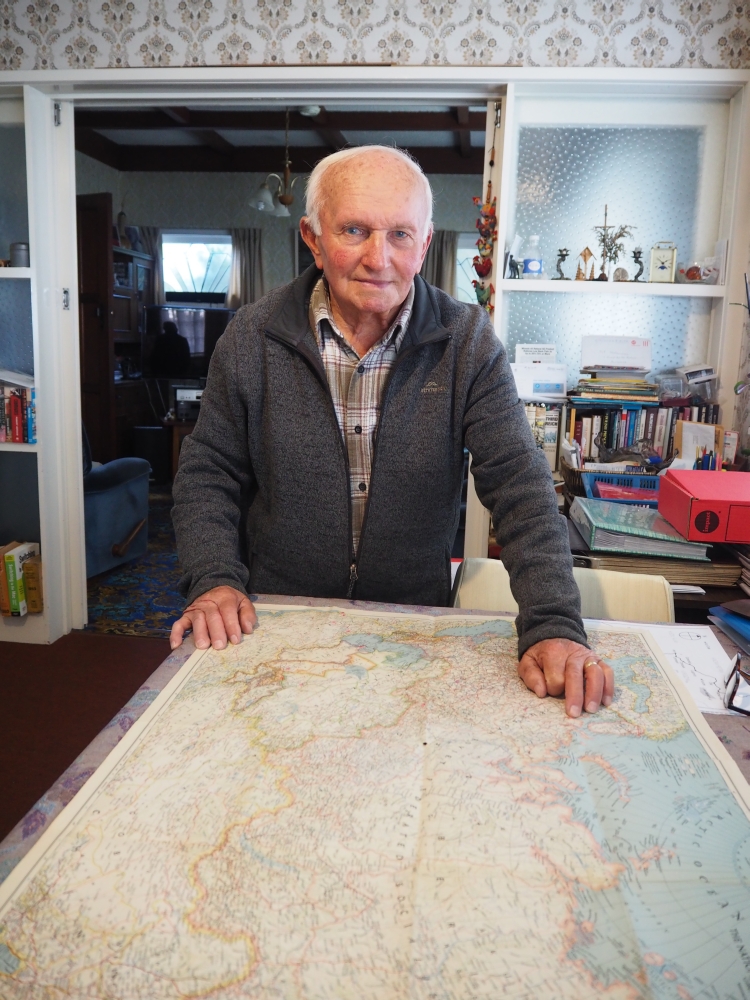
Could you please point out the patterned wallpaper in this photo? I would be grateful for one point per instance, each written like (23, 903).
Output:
(91, 34)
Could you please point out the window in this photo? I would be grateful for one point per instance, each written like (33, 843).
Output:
(196, 266)
(465, 253)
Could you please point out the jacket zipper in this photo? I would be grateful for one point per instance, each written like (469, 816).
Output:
(384, 400)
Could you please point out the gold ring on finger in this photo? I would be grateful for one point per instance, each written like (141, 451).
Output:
(591, 663)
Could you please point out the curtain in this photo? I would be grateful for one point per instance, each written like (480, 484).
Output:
(246, 277)
(439, 266)
(151, 240)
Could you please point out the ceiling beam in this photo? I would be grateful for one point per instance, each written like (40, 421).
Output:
(332, 136)
(274, 121)
(98, 147)
(252, 159)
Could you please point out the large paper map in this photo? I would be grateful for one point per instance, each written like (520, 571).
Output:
(372, 807)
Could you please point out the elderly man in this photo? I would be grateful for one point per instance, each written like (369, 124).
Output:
(328, 457)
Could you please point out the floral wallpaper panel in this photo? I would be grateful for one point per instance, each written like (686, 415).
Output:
(93, 34)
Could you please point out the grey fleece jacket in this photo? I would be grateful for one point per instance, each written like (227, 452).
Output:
(262, 492)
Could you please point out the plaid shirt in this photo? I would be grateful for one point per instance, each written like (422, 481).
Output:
(356, 386)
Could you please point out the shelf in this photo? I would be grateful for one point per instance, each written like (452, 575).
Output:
(29, 628)
(11, 446)
(613, 288)
(15, 272)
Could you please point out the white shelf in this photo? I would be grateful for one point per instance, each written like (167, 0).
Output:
(11, 446)
(29, 628)
(613, 288)
(15, 272)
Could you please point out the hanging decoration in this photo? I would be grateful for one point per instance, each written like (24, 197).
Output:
(487, 226)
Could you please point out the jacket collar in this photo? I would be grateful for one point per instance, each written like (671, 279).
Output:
(290, 322)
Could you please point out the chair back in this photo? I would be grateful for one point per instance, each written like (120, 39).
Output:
(484, 584)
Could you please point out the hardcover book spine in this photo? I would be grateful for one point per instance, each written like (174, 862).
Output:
(31, 424)
(16, 418)
(24, 394)
(2, 413)
(32, 578)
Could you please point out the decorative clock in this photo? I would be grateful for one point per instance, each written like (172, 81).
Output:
(663, 262)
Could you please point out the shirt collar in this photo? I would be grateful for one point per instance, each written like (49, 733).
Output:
(320, 309)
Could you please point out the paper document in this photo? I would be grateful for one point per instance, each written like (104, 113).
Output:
(696, 656)
(535, 352)
(616, 352)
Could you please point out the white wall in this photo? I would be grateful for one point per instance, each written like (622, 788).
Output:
(222, 201)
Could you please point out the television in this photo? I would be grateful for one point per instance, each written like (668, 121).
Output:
(182, 349)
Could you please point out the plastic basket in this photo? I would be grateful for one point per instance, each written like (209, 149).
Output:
(622, 479)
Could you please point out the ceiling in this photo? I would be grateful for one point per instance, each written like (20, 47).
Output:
(444, 140)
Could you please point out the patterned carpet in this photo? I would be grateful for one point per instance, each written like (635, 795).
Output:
(141, 597)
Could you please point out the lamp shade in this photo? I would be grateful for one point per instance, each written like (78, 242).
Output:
(263, 199)
(280, 211)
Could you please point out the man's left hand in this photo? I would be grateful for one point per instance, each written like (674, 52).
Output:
(557, 666)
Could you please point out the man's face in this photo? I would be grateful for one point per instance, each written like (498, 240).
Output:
(371, 242)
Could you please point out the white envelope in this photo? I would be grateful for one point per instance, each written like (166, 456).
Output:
(540, 380)
(616, 352)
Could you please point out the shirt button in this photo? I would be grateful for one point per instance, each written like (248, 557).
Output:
(358, 429)
(361, 369)
(363, 487)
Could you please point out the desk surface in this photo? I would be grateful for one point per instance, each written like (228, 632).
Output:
(734, 732)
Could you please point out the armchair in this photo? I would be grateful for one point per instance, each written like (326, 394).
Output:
(115, 506)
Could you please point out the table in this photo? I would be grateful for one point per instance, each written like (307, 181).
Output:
(733, 731)
(180, 430)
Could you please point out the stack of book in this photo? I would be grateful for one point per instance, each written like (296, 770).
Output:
(620, 529)
(17, 408)
(20, 579)
(743, 556)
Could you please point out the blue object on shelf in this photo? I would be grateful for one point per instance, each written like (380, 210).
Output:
(633, 480)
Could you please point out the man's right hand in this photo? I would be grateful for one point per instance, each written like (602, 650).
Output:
(218, 614)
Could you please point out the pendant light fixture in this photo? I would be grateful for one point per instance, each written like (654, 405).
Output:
(277, 203)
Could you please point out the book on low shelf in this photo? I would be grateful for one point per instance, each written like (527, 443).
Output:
(32, 579)
(14, 558)
(723, 569)
(615, 527)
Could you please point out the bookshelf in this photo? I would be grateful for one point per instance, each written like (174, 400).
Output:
(41, 484)
(672, 164)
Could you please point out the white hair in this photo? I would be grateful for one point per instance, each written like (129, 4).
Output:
(314, 193)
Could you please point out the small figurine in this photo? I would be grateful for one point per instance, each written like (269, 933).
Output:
(583, 262)
(620, 274)
(484, 294)
(482, 265)
(637, 256)
(513, 270)
(611, 243)
(562, 256)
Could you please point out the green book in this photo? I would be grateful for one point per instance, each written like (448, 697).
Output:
(14, 560)
(619, 527)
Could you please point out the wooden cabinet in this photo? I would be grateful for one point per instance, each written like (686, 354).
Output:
(115, 286)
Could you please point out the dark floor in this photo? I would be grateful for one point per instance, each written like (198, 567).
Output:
(55, 699)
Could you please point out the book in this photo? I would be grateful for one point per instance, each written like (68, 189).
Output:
(551, 436)
(14, 560)
(32, 580)
(614, 527)
(586, 437)
(4, 593)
